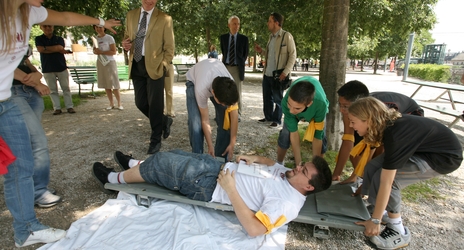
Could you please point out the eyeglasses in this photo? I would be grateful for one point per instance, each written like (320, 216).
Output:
(304, 170)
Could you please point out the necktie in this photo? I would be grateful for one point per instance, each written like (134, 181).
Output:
(232, 51)
(139, 37)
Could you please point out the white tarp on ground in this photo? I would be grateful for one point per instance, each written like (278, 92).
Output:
(121, 224)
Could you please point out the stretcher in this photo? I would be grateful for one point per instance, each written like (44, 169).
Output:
(333, 208)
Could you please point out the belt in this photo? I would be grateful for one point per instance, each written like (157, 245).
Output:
(9, 99)
(233, 65)
(222, 166)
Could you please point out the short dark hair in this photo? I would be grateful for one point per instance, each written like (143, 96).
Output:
(278, 18)
(225, 90)
(353, 90)
(323, 178)
(302, 92)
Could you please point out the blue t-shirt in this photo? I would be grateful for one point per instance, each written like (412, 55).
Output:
(51, 62)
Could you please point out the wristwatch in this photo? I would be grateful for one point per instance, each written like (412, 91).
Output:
(375, 221)
(45, 48)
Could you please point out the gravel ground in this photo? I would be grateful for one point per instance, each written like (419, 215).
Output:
(76, 141)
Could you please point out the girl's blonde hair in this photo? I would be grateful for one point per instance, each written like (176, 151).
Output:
(9, 11)
(377, 115)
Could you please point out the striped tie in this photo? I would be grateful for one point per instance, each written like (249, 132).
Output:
(140, 37)
(232, 51)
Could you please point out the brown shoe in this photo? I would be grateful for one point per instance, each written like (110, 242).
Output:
(71, 111)
(57, 112)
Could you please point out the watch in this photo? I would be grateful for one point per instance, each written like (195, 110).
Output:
(45, 47)
(375, 221)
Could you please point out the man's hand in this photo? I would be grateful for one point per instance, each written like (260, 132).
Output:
(282, 76)
(127, 44)
(249, 159)
(42, 89)
(32, 79)
(229, 152)
(211, 151)
(227, 180)
(258, 48)
(371, 228)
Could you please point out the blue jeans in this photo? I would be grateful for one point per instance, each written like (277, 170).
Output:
(193, 175)
(18, 183)
(31, 105)
(272, 101)
(196, 135)
(284, 139)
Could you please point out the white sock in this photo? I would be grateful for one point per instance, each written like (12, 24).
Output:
(133, 163)
(385, 216)
(397, 224)
(117, 178)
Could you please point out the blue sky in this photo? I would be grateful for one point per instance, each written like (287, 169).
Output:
(450, 27)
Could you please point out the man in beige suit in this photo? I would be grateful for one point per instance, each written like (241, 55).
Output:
(280, 54)
(149, 37)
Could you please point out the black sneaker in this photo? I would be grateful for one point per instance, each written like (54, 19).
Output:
(122, 159)
(167, 128)
(100, 172)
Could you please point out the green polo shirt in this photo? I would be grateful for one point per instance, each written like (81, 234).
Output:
(317, 111)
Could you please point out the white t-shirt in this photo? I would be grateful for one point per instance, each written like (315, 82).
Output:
(9, 62)
(274, 197)
(202, 76)
(104, 44)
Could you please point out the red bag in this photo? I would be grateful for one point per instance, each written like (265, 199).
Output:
(6, 157)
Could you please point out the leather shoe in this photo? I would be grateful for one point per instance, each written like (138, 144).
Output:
(167, 128)
(273, 125)
(154, 148)
(262, 120)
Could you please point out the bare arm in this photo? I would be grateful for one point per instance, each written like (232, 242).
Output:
(206, 129)
(40, 87)
(74, 19)
(244, 214)
(110, 52)
(233, 134)
(295, 142)
(345, 149)
(317, 147)
(51, 49)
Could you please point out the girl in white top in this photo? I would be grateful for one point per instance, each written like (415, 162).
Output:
(107, 70)
(17, 17)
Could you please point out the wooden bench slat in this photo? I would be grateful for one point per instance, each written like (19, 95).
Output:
(443, 110)
(84, 75)
(182, 69)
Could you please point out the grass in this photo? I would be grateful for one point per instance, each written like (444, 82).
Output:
(76, 99)
(424, 190)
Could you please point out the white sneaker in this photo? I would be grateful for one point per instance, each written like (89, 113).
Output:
(43, 236)
(121, 108)
(48, 200)
(109, 108)
(389, 238)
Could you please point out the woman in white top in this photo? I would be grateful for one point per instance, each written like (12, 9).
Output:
(17, 18)
(107, 71)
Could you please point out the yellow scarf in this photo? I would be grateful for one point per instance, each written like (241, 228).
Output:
(267, 221)
(226, 125)
(364, 149)
(312, 127)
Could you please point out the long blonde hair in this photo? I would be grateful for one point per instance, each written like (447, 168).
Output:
(9, 11)
(377, 115)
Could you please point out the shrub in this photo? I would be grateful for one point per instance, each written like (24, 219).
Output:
(430, 72)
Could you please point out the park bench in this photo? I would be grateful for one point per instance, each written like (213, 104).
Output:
(182, 69)
(84, 75)
(443, 110)
(123, 73)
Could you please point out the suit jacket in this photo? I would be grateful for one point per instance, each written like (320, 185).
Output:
(159, 41)
(241, 51)
(287, 51)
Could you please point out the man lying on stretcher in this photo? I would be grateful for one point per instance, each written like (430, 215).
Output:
(276, 194)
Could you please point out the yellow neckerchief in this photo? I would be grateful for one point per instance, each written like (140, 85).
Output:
(312, 127)
(346, 137)
(226, 125)
(267, 222)
(364, 149)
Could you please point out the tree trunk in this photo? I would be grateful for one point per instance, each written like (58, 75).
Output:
(376, 62)
(208, 39)
(332, 65)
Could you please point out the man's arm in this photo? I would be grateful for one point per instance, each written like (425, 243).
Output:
(245, 215)
(207, 129)
(295, 142)
(51, 49)
(317, 147)
(233, 134)
(291, 56)
(345, 150)
(168, 46)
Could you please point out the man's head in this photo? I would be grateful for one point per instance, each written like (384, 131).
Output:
(310, 177)
(275, 22)
(47, 30)
(350, 92)
(225, 91)
(233, 24)
(148, 5)
(300, 96)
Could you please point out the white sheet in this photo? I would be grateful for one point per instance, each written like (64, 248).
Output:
(121, 224)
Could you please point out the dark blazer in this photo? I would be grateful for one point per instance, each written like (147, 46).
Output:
(241, 51)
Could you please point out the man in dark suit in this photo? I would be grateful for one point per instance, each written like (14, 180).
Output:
(234, 47)
(149, 36)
